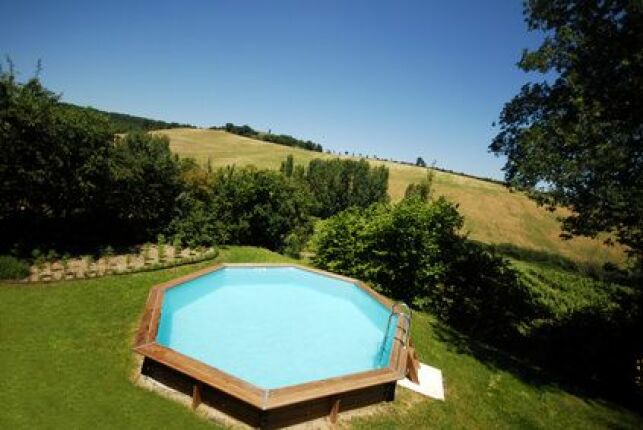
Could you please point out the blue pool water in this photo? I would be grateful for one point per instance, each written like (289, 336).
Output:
(275, 327)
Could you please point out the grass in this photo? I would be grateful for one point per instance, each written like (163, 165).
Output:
(480, 395)
(492, 213)
(66, 357)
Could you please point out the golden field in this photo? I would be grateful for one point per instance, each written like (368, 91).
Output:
(493, 214)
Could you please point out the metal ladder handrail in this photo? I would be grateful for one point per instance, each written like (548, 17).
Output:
(407, 329)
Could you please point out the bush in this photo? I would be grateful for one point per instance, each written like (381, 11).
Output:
(402, 249)
(259, 207)
(413, 251)
(68, 182)
(296, 241)
(12, 268)
(338, 184)
(145, 183)
(243, 206)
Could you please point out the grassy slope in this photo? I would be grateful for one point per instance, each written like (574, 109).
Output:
(493, 214)
(66, 361)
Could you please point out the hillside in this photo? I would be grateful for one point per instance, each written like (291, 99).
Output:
(493, 213)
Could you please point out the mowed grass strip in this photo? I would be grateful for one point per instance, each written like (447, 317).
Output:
(66, 357)
(493, 214)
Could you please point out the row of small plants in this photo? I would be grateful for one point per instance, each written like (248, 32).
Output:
(50, 266)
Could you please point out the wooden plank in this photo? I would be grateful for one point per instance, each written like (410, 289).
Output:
(196, 395)
(143, 329)
(327, 387)
(334, 411)
(204, 373)
(412, 366)
(147, 330)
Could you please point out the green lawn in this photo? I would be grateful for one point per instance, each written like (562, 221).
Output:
(66, 361)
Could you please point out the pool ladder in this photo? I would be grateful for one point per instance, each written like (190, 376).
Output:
(405, 313)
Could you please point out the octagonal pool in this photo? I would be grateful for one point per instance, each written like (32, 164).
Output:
(276, 326)
(274, 345)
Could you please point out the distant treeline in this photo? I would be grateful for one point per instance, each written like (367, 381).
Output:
(418, 163)
(280, 139)
(466, 175)
(124, 123)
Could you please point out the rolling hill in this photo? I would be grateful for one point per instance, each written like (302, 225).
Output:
(493, 214)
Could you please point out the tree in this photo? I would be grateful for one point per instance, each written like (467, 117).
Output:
(420, 162)
(414, 251)
(421, 190)
(574, 139)
(145, 183)
(243, 206)
(338, 184)
(53, 165)
(287, 166)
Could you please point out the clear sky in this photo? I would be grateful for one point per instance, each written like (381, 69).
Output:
(397, 79)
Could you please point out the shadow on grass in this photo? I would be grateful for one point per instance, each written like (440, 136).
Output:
(605, 272)
(588, 354)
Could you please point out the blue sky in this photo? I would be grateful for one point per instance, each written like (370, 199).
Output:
(394, 78)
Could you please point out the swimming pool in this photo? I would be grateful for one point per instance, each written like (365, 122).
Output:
(275, 337)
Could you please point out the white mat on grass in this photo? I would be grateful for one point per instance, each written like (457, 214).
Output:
(431, 384)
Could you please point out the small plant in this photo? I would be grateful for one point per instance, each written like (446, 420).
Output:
(52, 255)
(12, 268)
(177, 245)
(36, 254)
(638, 374)
(64, 261)
(41, 262)
(192, 247)
(161, 252)
(146, 253)
(161, 240)
(108, 255)
(89, 265)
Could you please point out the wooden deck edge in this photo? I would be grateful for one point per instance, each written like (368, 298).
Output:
(328, 387)
(263, 399)
(204, 373)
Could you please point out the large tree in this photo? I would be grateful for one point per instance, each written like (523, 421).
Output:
(574, 139)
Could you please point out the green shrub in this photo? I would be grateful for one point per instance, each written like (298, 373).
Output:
(242, 206)
(403, 249)
(12, 268)
(413, 251)
(160, 249)
(296, 241)
(338, 184)
(423, 189)
(177, 244)
(52, 255)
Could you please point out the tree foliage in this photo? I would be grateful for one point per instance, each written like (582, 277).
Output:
(241, 206)
(144, 184)
(54, 162)
(66, 180)
(413, 251)
(421, 190)
(574, 139)
(338, 184)
(124, 123)
(280, 139)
